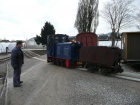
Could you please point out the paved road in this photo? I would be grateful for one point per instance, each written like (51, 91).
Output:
(46, 84)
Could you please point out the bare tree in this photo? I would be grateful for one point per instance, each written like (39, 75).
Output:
(118, 14)
(138, 19)
(87, 16)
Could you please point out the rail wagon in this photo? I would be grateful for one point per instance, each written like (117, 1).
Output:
(101, 58)
(87, 39)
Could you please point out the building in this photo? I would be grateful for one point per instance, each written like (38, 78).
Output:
(4, 41)
(31, 44)
(103, 37)
(130, 45)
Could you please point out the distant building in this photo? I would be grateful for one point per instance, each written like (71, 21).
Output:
(4, 41)
(117, 37)
(130, 45)
(103, 37)
(17, 40)
(31, 44)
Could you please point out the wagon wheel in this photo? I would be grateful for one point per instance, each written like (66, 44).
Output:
(90, 69)
(104, 71)
(93, 68)
(54, 62)
(117, 62)
(118, 67)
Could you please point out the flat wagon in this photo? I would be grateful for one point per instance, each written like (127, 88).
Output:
(104, 59)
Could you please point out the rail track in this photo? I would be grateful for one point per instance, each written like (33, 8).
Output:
(27, 54)
(128, 76)
(2, 60)
(124, 75)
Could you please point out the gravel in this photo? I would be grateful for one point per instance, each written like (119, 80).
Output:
(47, 84)
(28, 63)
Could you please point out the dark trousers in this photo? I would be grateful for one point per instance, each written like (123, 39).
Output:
(16, 76)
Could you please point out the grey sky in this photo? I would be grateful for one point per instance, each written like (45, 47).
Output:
(23, 19)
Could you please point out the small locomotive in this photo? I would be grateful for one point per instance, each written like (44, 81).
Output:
(61, 51)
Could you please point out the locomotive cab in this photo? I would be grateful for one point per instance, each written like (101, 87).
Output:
(52, 40)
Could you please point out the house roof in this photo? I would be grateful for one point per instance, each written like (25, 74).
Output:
(136, 32)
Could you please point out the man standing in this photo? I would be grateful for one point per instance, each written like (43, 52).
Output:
(17, 60)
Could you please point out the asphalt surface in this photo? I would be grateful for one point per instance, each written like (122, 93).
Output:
(47, 84)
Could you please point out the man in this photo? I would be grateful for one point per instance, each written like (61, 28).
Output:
(17, 60)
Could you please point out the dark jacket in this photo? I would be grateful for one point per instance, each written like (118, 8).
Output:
(17, 57)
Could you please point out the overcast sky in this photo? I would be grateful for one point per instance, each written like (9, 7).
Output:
(23, 19)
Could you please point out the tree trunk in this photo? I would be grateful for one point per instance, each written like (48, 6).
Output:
(94, 30)
(113, 38)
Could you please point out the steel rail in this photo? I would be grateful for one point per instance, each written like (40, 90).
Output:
(128, 76)
(4, 59)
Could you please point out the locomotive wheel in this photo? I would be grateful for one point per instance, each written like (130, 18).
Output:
(92, 68)
(54, 62)
(62, 63)
(104, 71)
(58, 63)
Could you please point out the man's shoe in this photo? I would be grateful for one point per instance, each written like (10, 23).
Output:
(17, 85)
(21, 82)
